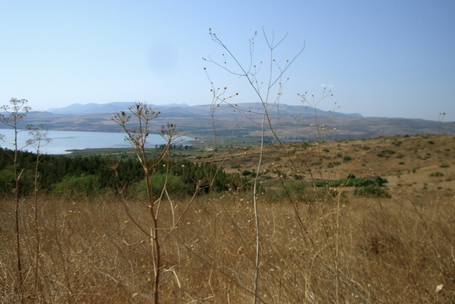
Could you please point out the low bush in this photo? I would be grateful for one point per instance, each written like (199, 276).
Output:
(372, 190)
(299, 191)
(174, 185)
(77, 186)
(8, 182)
(333, 164)
(436, 174)
(352, 181)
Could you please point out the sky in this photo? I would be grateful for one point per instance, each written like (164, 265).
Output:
(387, 58)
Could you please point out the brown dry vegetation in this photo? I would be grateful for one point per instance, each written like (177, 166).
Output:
(403, 160)
(343, 249)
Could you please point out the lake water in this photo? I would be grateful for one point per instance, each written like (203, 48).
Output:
(63, 141)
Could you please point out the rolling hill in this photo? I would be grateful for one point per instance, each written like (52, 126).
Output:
(241, 120)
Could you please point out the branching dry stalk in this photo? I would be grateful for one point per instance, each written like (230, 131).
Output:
(38, 140)
(218, 98)
(268, 93)
(143, 115)
(15, 112)
(314, 102)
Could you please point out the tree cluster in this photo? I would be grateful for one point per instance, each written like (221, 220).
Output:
(69, 175)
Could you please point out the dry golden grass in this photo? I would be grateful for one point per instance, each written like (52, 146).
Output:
(343, 249)
(405, 159)
(389, 251)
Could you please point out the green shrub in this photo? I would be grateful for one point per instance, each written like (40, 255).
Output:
(372, 190)
(352, 181)
(436, 174)
(246, 172)
(300, 191)
(297, 176)
(175, 186)
(333, 164)
(386, 153)
(77, 186)
(8, 182)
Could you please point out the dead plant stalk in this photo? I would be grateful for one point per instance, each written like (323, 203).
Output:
(274, 84)
(137, 137)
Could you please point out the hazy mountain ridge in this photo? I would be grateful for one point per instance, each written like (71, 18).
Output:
(239, 120)
(186, 110)
(92, 108)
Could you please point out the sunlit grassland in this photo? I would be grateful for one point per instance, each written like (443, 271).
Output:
(367, 250)
(318, 244)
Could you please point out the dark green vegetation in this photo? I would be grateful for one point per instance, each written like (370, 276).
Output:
(93, 175)
(352, 181)
(79, 176)
(370, 186)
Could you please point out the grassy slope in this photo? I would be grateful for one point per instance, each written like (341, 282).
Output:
(405, 160)
(350, 249)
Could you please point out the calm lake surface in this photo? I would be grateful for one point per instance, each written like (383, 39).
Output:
(63, 141)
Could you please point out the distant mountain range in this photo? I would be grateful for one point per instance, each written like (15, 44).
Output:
(239, 120)
(182, 109)
(92, 108)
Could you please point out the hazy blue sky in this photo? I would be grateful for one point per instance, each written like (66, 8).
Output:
(380, 58)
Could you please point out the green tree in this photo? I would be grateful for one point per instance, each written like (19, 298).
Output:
(77, 186)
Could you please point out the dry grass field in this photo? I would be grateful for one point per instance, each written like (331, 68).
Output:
(318, 244)
(405, 161)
